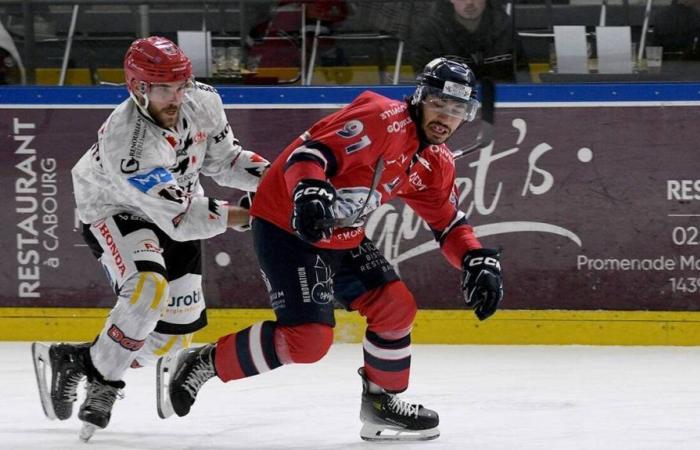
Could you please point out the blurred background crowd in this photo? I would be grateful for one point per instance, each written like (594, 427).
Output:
(336, 42)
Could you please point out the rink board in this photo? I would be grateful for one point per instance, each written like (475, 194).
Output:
(431, 327)
(591, 190)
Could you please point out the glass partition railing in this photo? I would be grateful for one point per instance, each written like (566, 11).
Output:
(344, 42)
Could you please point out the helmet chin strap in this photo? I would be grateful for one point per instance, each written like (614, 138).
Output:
(416, 113)
(143, 108)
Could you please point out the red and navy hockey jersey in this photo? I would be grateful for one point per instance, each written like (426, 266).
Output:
(344, 148)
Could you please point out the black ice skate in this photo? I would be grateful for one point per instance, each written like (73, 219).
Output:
(66, 364)
(180, 377)
(96, 410)
(385, 416)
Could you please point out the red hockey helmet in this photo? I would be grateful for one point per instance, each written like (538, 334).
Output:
(156, 60)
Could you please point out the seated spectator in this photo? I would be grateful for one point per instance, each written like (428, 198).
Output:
(677, 28)
(283, 20)
(478, 30)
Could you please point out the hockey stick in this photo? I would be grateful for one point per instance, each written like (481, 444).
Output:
(488, 101)
(344, 222)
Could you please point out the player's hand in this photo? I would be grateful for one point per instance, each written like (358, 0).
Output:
(244, 202)
(313, 201)
(481, 281)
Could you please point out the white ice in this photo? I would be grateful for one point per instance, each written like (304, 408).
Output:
(488, 397)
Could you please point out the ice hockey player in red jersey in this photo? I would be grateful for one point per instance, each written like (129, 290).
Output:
(309, 238)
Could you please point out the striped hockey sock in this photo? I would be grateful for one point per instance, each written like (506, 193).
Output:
(246, 353)
(387, 362)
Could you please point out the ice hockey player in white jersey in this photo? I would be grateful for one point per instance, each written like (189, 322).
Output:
(144, 212)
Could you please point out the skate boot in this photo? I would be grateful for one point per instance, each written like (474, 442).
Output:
(96, 410)
(180, 377)
(385, 416)
(67, 365)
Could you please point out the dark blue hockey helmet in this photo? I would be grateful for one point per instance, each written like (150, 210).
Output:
(448, 78)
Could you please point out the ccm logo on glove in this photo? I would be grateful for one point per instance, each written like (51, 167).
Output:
(487, 260)
(316, 191)
(481, 281)
(313, 210)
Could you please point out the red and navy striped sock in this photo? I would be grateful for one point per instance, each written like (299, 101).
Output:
(387, 361)
(248, 352)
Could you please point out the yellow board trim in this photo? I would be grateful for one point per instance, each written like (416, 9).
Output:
(431, 327)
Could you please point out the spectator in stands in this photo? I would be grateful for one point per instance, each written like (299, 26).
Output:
(478, 30)
(677, 28)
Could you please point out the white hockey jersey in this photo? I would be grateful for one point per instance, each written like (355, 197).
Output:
(140, 168)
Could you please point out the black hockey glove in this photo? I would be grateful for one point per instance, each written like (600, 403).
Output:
(481, 281)
(313, 214)
(245, 202)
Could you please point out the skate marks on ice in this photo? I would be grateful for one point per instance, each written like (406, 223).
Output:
(488, 397)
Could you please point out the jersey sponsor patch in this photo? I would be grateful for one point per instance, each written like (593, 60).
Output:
(130, 165)
(120, 338)
(145, 182)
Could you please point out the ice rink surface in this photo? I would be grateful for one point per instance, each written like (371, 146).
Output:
(488, 397)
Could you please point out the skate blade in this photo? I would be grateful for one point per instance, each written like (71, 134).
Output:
(87, 431)
(42, 369)
(164, 369)
(374, 432)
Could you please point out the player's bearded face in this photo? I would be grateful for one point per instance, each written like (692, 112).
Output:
(438, 122)
(165, 100)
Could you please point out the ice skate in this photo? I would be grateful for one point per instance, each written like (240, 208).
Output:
(179, 378)
(65, 364)
(96, 410)
(386, 417)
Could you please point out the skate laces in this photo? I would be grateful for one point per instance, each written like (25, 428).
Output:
(403, 407)
(70, 387)
(202, 371)
(101, 397)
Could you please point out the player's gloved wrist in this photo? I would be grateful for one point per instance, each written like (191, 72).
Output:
(313, 209)
(244, 202)
(482, 285)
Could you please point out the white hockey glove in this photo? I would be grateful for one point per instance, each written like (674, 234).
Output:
(244, 202)
(482, 285)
